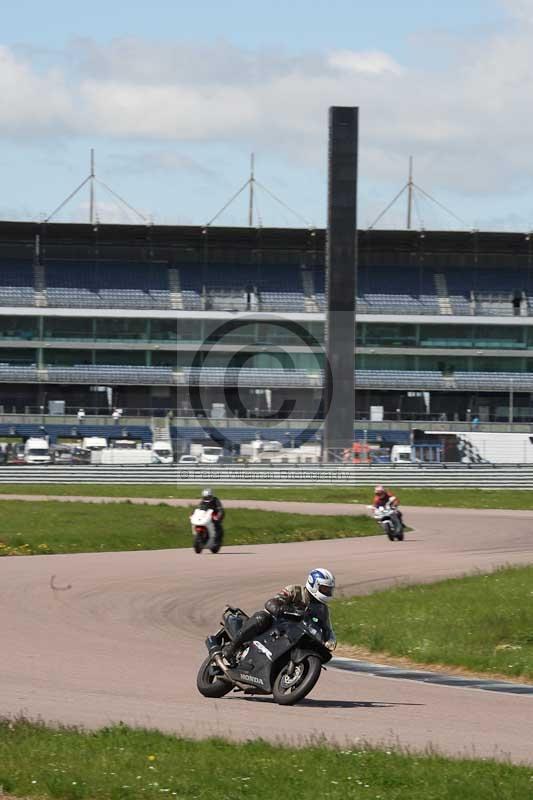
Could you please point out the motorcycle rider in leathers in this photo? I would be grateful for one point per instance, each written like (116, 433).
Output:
(313, 598)
(383, 498)
(210, 502)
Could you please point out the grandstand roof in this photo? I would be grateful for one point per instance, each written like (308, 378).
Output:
(284, 238)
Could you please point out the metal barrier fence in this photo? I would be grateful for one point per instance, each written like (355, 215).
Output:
(445, 476)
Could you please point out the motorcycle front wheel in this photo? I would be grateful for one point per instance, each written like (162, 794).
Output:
(387, 527)
(210, 682)
(198, 543)
(290, 689)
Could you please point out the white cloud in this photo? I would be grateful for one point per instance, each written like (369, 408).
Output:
(468, 124)
(366, 63)
(520, 9)
(31, 102)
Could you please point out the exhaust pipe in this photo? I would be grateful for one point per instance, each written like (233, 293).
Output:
(219, 661)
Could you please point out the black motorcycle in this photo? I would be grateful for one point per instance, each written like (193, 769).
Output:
(285, 661)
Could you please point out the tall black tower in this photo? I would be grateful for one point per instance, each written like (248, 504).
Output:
(341, 266)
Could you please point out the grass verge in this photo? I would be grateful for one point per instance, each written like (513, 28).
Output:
(445, 498)
(45, 527)
(482, 623)
(124, 763)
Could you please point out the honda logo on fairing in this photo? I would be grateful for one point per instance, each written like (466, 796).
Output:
(251, 678)
(265, 650)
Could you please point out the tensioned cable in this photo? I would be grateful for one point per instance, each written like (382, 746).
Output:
(422, 191)
(402, 190)
(71, 195)
(230, 201)
(288, 208)
(121, 199)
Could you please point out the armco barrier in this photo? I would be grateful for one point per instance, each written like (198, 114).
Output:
(475, 476)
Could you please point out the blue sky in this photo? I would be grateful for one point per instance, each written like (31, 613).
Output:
(296, 25)
(175, 96)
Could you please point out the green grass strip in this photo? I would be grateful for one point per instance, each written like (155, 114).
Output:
(483, 623)
(121, 763)
(445, 498)
(45, 527)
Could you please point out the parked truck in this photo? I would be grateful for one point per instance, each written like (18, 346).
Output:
(121, 455)
(273, 452)
(94, 443)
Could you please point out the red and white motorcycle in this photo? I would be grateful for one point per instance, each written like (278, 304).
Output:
(204, 530)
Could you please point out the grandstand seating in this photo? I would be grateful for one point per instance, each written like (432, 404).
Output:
(191, 286)
(389, 290)
(280, 288)
(110, 374)
(502, 381)
(14, 373)
(143, 285)
(16, 283)
(249, 376)
(225, 286)
(400, 379)
(140, 433)
(109, 285)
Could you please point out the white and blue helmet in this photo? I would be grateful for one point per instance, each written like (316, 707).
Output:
(321, 584)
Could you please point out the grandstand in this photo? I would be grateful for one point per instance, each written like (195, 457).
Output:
(132, 315)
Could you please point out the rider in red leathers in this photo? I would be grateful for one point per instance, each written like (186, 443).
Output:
(383, 498)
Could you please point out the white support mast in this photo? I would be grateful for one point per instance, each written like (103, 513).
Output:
(410, 194)
(92, 180)
(91, 189)
(251, 201)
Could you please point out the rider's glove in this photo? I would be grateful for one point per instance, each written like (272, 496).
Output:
(274, 607)
(331, 643)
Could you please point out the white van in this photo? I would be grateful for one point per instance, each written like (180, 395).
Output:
(37, 451)
(206, 454)
(401, 454)
(162, 453)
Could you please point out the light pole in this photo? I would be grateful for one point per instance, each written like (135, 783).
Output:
(511, 399)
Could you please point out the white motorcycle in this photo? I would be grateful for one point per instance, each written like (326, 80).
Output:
(204, 530)
(388, 518)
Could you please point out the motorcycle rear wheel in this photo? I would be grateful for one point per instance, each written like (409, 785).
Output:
(287, 691)
(209, 681)
(198, 543)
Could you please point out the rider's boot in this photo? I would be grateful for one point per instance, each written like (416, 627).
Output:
(219, 534)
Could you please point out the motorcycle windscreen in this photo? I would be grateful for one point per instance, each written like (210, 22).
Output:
(233, 624)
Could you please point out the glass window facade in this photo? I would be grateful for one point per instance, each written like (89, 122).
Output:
(66, 358)
(121, 329)
(68, 328)
(24, 328)
(19, 356)
(389, 335)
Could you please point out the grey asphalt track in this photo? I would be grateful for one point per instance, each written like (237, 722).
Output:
(119, 636)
